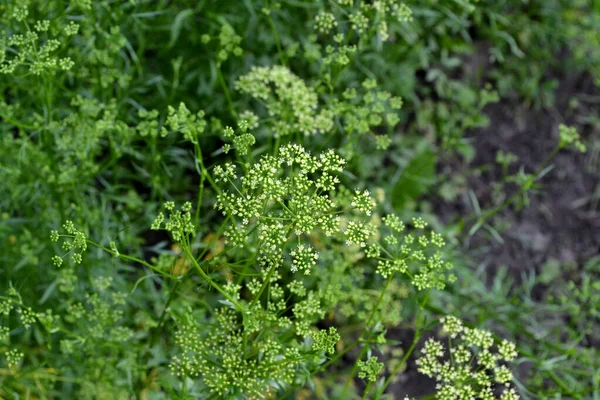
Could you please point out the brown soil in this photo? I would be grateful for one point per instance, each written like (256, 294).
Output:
(562, 221)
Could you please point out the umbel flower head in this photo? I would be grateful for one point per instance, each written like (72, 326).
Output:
(471, 366)
(304, 257)
(286, 199)
(287, 187)
(179, 222)
(568, 136)
(291, 104)
(416, 254)
(217, 355)
(74, 243)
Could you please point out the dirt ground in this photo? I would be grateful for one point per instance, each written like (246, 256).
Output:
(562, 221)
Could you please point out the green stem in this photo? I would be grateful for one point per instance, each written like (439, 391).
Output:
(203, 169)
(410, 349)
(367, 390)
(350, 378)
(265, 284)
(277, 41)
(282, 57)
(339, 73)
(223, 84)
(18, 124)
(130, 258)
(402, 361)
(192, 259)
(200, 197)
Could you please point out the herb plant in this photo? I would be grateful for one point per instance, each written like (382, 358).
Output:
(196, 198)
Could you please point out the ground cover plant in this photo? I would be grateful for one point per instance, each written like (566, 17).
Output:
(215, 199)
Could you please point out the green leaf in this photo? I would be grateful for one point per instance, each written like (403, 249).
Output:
(514, 47)
(48, 292)
(178, 23)
(416, 178)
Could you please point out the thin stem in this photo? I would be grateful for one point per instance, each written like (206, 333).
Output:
(200, 198)
(265, 284)
(350, 378)
(282, 57)
(11, 121)
(203, 169)
(131, 258)
(191, 257)
(223, 84)
(367, 390)
(401, 363)
(410, 349)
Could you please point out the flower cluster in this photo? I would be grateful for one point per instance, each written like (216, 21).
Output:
(303, 258)
(148, 124)
(568, 136)
(291, 104)
(74, 243)
(417, 254)
(182, 120)
(362, 109)
(472, 368)
(14, 357)
(229, 43)
(357, 233)
(34, 50)
(370, 369)
(339, 53)
(363, 201)
(285, 187)
(365, 18)
(242, 141)
(179, 223)
(325, 22)
(226, 363)
(4, 334)
(382, 142)
(325, 340)
(27, 316)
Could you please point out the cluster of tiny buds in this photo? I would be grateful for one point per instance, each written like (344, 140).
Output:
(303, 258)
(14, 357)
(370, 369)
(179, 223)
(363, 201)
(473, 369)
(75, 243)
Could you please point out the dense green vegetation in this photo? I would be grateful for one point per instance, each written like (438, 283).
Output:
(232, 199)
